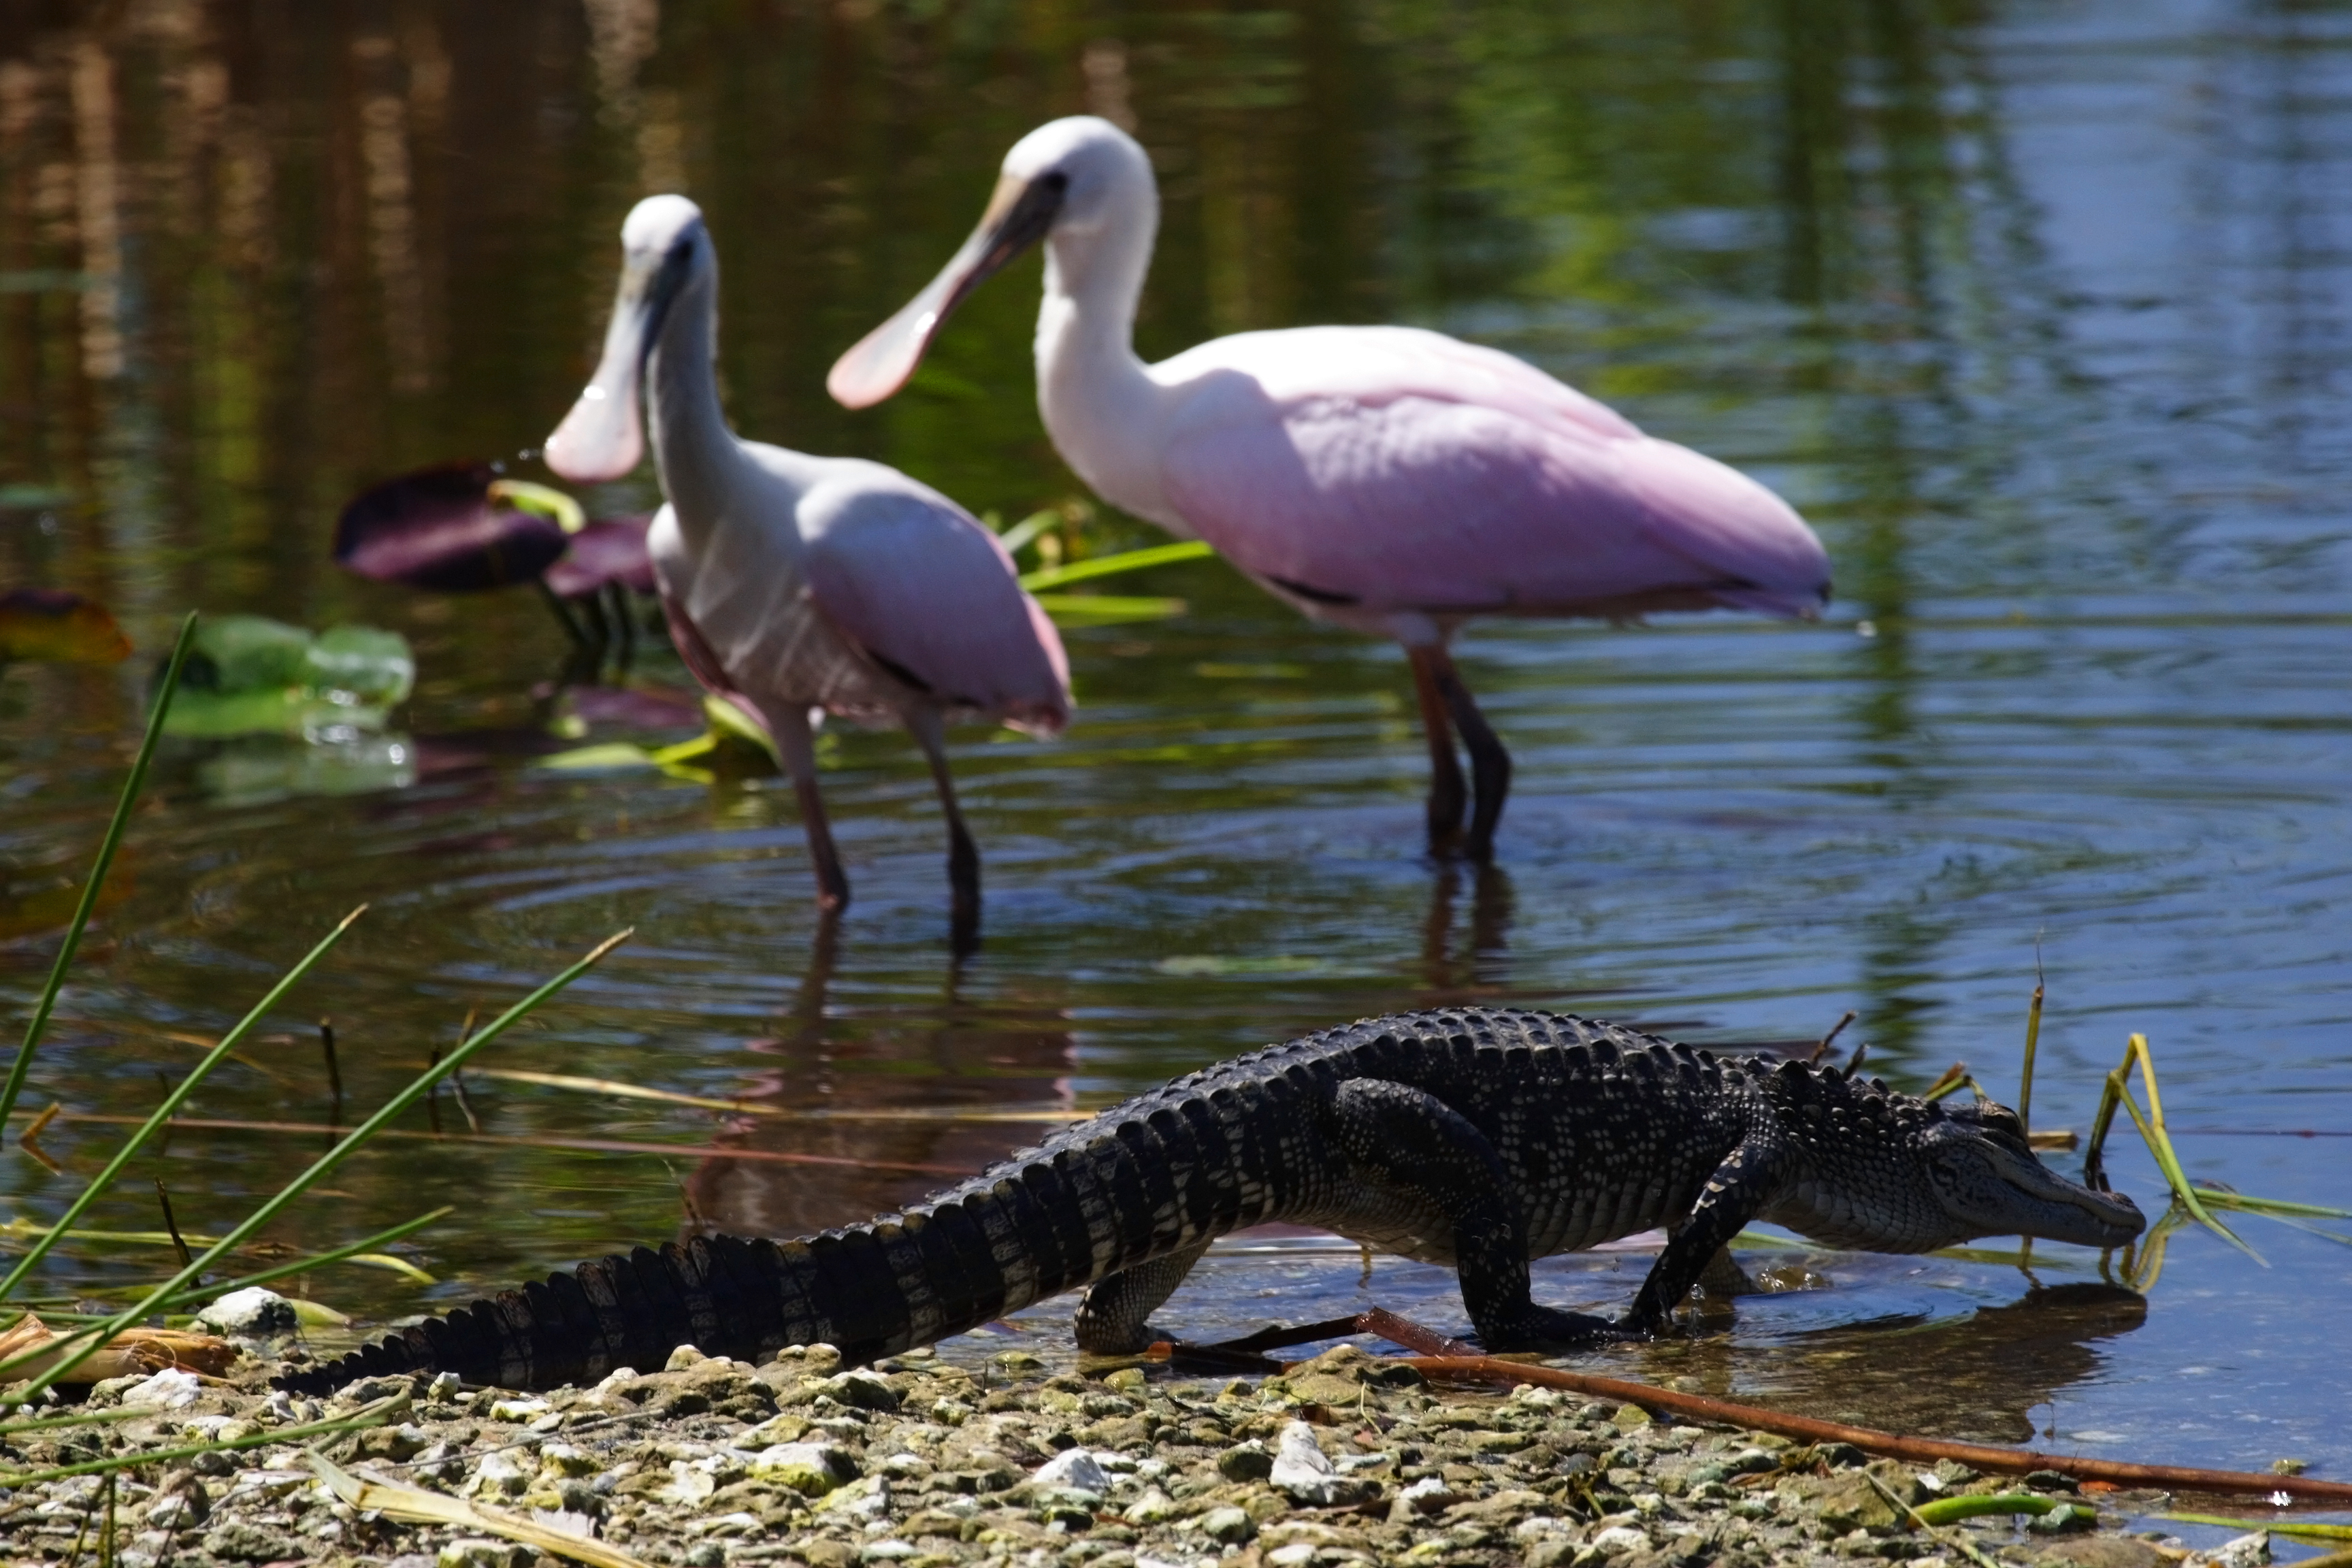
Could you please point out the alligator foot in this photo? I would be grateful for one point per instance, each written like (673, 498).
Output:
(1538, 1328)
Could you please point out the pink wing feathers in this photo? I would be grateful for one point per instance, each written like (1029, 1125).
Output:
(932, 596)
(1401, 469)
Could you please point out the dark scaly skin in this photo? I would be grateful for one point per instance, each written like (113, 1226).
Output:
(1470, 1138)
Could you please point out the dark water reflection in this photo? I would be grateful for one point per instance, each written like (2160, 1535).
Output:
(2039, 310)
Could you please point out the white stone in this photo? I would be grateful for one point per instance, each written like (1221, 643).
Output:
(499, 1475)
(252, 1310)
(1297, 1554)
(169, 1389)
(1075, 1469)
(813, 1469)
(1301, 1470)
(521, 1409)
(1619, 1540)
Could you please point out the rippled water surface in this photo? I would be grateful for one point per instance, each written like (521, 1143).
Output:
(2038, 312)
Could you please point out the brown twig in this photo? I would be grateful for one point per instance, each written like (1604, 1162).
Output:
(1830, 1038)
(29, 1140)
(335, 1071)
(1440, 1357)
(1926, 1450)
(457, 1080)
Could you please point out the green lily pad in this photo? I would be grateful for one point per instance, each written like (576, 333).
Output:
(248, 675)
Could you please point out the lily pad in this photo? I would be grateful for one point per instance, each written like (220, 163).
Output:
(248, 675)
(53, 627)
(455, 529)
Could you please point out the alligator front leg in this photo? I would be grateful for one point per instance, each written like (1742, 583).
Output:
(1407, 1141)
(1735, 1195)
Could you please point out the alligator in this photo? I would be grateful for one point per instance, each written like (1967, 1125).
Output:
(1470, 1138)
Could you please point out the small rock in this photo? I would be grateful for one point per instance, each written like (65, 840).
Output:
(811, 1469)
(2245, 1551)
(1075, 1469)
(169, 1389)
(253, 1311)
(1228, 1525)
(473, 1552)
(1246, 1461)
(1630, 1418)
(2099, 1551)
(242, 1542)
(709, 1554)
(683, 1357)
(1619, 1541)
(498, 1475)
(861, 1390)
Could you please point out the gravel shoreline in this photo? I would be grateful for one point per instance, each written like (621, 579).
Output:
(1347, 1458)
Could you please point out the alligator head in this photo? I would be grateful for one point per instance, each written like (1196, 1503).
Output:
(1888, 1172)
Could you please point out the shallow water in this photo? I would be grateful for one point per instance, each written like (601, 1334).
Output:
(2039, 312)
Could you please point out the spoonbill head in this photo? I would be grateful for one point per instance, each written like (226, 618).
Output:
(797, 585)
(1389, 479)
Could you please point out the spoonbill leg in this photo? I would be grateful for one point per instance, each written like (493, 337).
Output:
(789, 723)
(963, 854)
(1490, 764)
(1447, 793)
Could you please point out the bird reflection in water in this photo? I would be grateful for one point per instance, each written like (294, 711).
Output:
(953, 1070)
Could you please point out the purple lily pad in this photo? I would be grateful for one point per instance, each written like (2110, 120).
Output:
(609, 550)
(438, 529)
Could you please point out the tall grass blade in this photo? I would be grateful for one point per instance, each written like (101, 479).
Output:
(319, 1260)
(1017, 537)
(1111, 565)
(376, 1414)
(172, 1102)
(106, 848)
(352, 1142)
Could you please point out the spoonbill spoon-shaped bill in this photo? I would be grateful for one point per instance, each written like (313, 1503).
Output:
(799, 585)
(1389, 479)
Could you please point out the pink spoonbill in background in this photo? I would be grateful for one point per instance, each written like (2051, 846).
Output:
(796, 583)
(1386, 478)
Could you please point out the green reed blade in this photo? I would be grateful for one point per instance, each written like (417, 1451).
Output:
(2159, 1143)
(2221, 1199)
(89, 891)
(1952, 1510)
(96, 1335)
(78, 1418)
(317, 1260)
(1110, 565)
(376, 1414)
(2277, 1526)
(172, 1102)
(1027, 528)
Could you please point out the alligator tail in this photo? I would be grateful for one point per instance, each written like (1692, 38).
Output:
(1098, 1199)
(722, 1294)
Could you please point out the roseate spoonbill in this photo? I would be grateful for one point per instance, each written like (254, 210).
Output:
(1386, 478)
(799, 585)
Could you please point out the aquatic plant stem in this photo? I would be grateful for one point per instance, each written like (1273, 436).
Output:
(98, 1334)
(89, 892)
(172, 1102)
